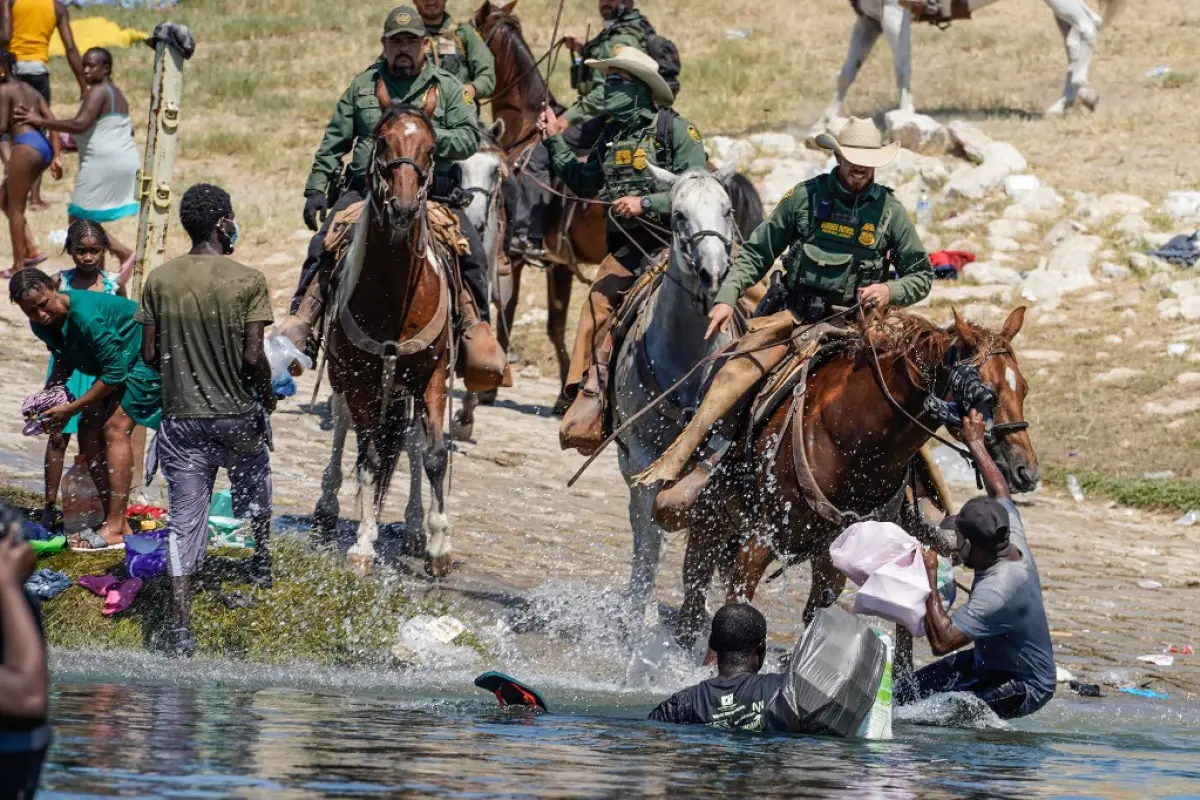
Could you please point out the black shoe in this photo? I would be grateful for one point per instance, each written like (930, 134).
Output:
(179, 643)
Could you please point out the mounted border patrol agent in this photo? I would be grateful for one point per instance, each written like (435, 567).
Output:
(407, 77)
(843, 233)
(457, 49)
(635, 136)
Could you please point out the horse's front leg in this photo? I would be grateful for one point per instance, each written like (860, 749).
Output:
(559, 281)
(647, 550)
(439, 557)
(827, 584)
(462, 427)
(325, 517)
(362, 554)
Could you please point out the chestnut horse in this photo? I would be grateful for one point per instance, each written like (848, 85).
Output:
(857, 448)
(389, 342)
(517, 101)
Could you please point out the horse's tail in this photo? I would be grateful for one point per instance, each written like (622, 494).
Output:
(747, 205)
(1109, 9)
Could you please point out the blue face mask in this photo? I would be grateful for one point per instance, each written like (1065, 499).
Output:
(231, 236)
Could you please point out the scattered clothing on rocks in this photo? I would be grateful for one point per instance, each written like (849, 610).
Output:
(1183, 250)
(949, 263)
(47, 584)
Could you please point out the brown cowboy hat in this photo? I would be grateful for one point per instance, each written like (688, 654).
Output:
(639, 65)
(860, 143)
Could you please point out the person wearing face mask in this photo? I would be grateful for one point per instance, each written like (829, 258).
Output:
(458, 49)
(1011, 667)
(407, 73)
(844, 234)
(203, 316)
(640, 130)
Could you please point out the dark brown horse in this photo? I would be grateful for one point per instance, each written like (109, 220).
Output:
(389, 343)
(857, 447)
(517, 101)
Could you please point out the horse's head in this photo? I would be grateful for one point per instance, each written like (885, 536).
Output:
(702, 228)
(401, 169)
(482, 175)
(489, 16)
(992, 355)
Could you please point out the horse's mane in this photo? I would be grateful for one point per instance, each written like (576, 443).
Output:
(919, 343)
(507, 27)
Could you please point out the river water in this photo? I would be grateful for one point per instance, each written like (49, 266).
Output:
(137, 725)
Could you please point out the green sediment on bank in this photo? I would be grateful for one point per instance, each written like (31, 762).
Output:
(1171, 494)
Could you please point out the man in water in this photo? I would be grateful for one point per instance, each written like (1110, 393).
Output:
(1011, 666)
(738, 696)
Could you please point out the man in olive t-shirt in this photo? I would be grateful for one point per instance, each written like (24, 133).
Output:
(203, 317)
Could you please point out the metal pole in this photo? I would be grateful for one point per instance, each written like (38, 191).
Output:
(154, 179)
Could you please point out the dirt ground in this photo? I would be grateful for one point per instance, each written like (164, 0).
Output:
(516, 523)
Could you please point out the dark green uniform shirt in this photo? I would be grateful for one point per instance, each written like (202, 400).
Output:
(458, 50)
(354, 118)
(627, 29)
(617, 165)
(839, 254)
(101, 339)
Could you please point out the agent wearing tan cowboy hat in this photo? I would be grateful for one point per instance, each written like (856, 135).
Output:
(845, 233)
(641, 129)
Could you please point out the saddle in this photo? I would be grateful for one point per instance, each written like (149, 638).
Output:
(442, 221)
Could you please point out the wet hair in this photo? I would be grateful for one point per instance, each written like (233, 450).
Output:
(737, 628)
(202, 207)
(81, 229)
(29, 280)
(104, 53)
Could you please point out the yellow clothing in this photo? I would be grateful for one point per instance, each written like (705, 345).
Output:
(96, 32)
(33, 22)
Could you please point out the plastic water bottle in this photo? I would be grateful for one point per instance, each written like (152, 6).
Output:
(81, 506)
(924, 209)
(1074, 488)
(878, 722)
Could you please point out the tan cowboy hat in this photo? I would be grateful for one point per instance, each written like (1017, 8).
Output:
(860, 143)
(639, 65)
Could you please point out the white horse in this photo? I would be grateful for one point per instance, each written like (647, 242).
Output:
(666, 342)
(1079, 25)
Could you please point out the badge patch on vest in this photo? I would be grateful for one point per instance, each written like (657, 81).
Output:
(692, 132)
(467, 98)
(639, 159)
(622, 158)
(867, 237)
(841, 231)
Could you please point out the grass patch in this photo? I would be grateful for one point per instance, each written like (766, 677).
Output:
(1177, 80)
(1175, 494)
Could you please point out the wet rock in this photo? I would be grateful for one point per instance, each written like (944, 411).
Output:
(916, 132)
(969, 139)
(1173, 408)
(1063, 230)
(1117, 375)
(985, 272)
(774, 143)
(1114, 272)
(1068, 269)
(1092, 209)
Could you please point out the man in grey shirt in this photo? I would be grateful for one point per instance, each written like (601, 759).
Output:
(1011, 666)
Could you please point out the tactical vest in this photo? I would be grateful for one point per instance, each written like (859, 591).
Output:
(583, 77)
(841, 251)
(626, 164)
(449, 53)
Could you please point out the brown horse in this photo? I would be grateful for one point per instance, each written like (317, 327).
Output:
(389, 342)
(517, 101)
(856, 450)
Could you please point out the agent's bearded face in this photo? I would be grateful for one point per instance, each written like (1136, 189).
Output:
(404, 53)
(613, 8)
(854, 177)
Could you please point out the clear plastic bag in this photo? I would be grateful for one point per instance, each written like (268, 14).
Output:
(281, 353)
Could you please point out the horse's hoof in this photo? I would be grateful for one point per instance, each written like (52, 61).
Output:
(363, 565)
(324, 521)
(439, 566)
(461, 432)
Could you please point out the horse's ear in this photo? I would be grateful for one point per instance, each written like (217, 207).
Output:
(725, 174)
(381, 94)
(1012, 325)
(508, 8)
(431, 102)
(962, 328)
(497, 129)
(665, 177)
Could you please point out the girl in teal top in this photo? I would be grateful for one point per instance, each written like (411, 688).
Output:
(94, 333)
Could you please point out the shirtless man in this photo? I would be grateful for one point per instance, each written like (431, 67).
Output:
(32, 153)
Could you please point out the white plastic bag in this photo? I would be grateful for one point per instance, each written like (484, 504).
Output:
(281, 353)
(897, 592)
(866, 546)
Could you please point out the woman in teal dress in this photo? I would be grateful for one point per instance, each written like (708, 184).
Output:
(95, 333)
(87, 242)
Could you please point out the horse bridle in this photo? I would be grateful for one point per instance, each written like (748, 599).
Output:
(964, 372)
(685, 246)
(382, 201)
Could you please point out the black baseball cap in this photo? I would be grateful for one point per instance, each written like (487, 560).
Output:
(983, 522)
(403, 19)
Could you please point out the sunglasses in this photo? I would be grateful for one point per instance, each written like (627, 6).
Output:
(613, 79)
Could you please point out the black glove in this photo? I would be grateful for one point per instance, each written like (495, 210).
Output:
(315, 205)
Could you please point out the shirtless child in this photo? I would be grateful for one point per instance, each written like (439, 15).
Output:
(31, 154)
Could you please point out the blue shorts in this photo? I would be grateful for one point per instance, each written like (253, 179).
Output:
(38, 142)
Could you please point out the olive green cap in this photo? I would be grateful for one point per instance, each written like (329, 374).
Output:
(403, 19)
